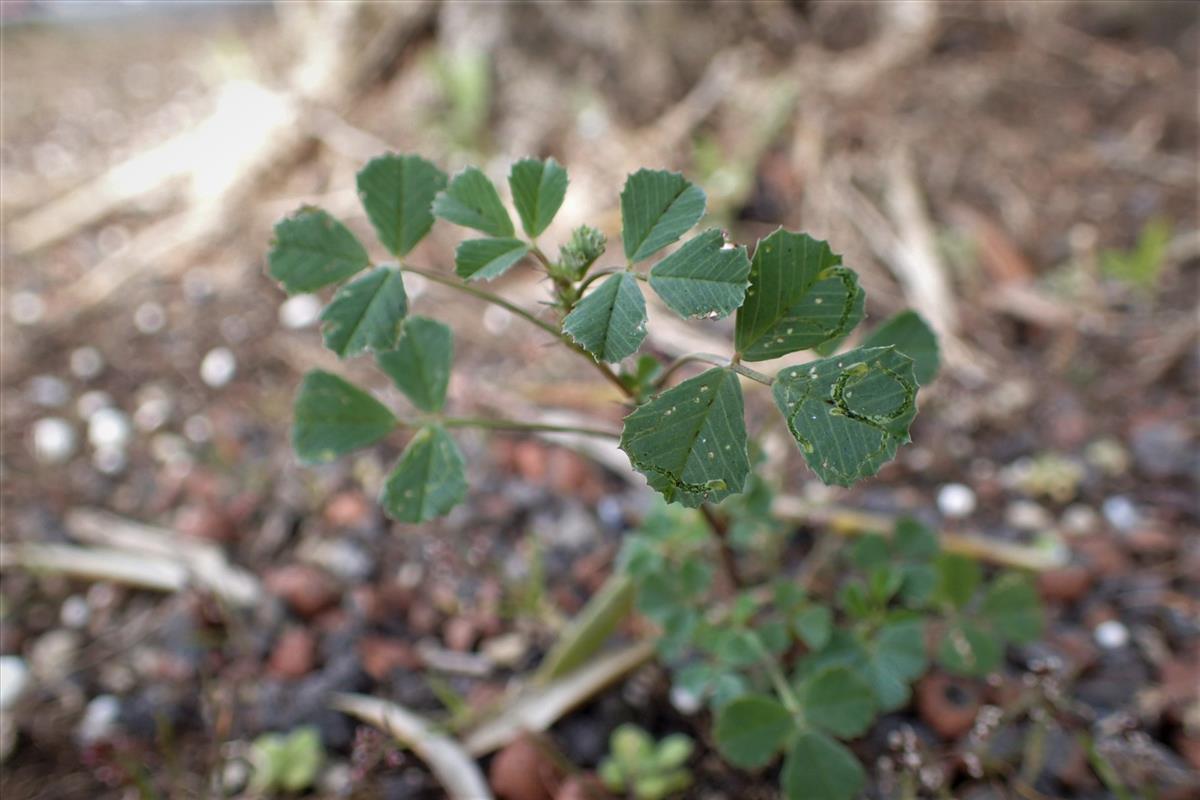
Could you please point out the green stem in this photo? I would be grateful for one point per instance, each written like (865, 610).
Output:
(790, 701)
(715, 360)
(516, 425)
(595, 276)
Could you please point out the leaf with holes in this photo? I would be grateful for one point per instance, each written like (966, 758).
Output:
(911, 335)
(800, 297)
(428, 480)
(703, 278)
(610, 322)
(657, 208)
(397, 192)
(420, 363)
(538, 188)
(690, 441)
(752, 729)
(818, 768)
(849, 413)
(485, 259)
(333, 417)
(311, 250)
(839, 701)
(366, 314)
(473, 202)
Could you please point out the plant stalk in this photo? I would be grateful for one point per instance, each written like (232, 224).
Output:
(516, 425)
(715, 360)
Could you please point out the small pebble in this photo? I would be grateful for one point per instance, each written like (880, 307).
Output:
(198, 428)
(99, 720)
(153, 411)
(53, 440)
(301, 311)
(1025, 515)
(14, 680)
(956, 500)
(685, 701)
(75, 612)
(86, 363)
(218, 367)
(1079, 519)
(26, 308)
(1111, 634)
(49, 391)
(149, 318)
(92, 401)
(507, 649)
(1120, 512)
(108, 428)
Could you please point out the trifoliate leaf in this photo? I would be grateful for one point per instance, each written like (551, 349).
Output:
(333, 417)
(472, 201)
(752, 729)
(610, 322)
(419, 365)
(967, 649)
(895, 658)
(366, 314)
(1011, 605)
(657, 208)
(839, 701)
(397, 192)
(818, 768)
(690, 441)
(800, 296)
(958, 578)
(703, 278)
(311, 250)
(537, 188)
(485, 259)
(909, 334)
(428, 480)
(849, 413)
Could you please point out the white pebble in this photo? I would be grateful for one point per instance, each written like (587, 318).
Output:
(99, 719)
(300, 311)
(86, 363)
(26, 308)
(75, 612)
(92, 401)
(198, 428)
(685, 702)
(1025, 515)
(53, 440)
(154, 408)
(1111, 634)
(14, 680)
(1120, 512)
(149, 318)
(1079, 519)
(108, 428)
(218, 367)
(48, 390)
(956, 500)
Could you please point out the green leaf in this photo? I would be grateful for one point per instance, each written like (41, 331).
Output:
(870, 551)
(752, 729)
(366, 314)
(849, 413)
(420, 363)
(703, 278)
(674, 751)
(333, 417)
(814, 626)
(911, 335)
(538, 188)
(690, 441)
(895, 658)
(472, 201)
(969, 650)
(818, 768)
(428, 480)
(610, 322)
(920, 581)
(958, 578)
(914, 540)
(396, 192)
(839, 701)
(485, 259)
(1011, 606)
(302, 759)
(657, 208)
(799, 297)
(311, 250)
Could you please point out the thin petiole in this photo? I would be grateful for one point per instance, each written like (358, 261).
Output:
(715, 360)
(516, 425)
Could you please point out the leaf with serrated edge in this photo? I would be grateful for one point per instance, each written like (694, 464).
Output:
(610, 322)
(849, 413)
(311, 250)
(419, 365)
(818, 768)
(690, 441)
(333, 417)
(485, 259)
(800, 297)
(397, 192)
(703, 278)
(366, 314)
(751, 730)
(910, 335)
(657, 207)
(472, 201)
(538, 188)
(428, 480)
(839, 701)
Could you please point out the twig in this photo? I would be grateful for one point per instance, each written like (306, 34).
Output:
(720, 530)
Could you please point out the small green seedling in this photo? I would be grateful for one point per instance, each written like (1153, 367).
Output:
(641, 768)
(286, 762)
(1141, 265)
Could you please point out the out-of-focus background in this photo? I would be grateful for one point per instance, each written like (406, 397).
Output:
(1024, 174)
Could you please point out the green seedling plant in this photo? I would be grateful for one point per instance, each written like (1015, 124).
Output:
(787, 673)
(286, 762)
(641, 768)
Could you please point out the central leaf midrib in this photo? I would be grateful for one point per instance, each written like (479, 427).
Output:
(650, 229)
